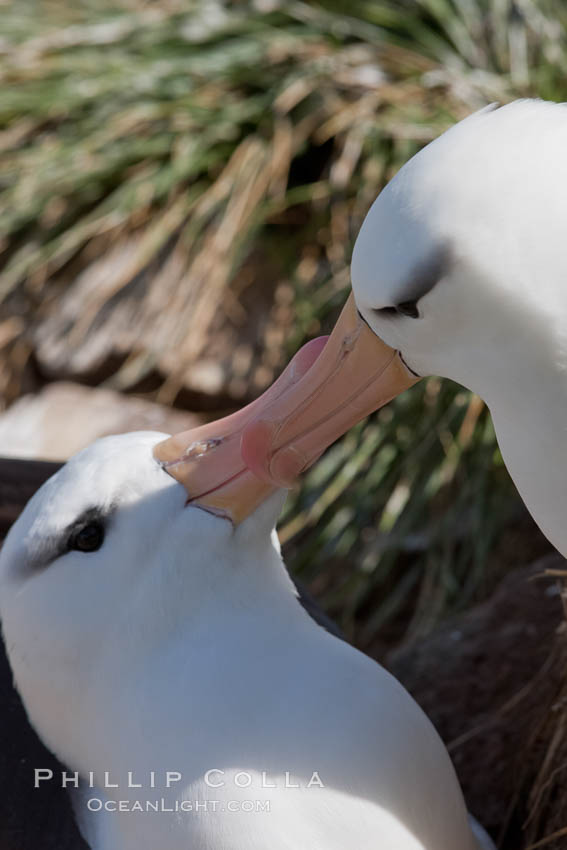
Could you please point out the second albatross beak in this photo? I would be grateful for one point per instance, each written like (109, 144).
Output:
(355, 374)
(232, 465)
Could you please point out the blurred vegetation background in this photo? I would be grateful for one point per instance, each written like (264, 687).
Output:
(181, 185)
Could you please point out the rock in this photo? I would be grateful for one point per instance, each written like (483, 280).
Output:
(65, 417)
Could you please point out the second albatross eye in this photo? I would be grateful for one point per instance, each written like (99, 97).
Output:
(405, 308)
(408, 308)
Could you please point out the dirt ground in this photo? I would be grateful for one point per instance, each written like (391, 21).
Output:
(492, 682)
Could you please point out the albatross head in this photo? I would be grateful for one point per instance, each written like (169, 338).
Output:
(460, 270)
(461, 264)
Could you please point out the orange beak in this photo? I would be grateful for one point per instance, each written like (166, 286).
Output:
(230, 466)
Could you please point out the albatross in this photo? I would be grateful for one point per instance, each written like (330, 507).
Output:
(161, 653)
(459, 270)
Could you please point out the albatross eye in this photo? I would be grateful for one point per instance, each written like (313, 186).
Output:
(408, 308)
(404, 308)
(88, 538)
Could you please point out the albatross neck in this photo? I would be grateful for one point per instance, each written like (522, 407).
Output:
(530, 420)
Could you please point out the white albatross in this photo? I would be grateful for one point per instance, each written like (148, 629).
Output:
(161, 652)
(459, 270)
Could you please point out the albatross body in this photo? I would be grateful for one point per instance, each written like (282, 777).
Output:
(160, 645)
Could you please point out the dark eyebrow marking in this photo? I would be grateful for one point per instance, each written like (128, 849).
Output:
(57, 545)
(88, 516)
(426, 274)
(421, 280)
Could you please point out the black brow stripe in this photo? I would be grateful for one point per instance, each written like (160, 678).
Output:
(55, 546)
(426, 274)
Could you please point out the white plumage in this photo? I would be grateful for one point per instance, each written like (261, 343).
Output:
(484, 208)
(179, 645)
